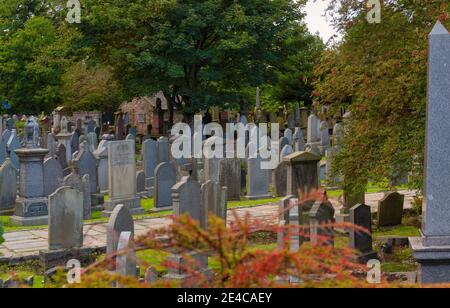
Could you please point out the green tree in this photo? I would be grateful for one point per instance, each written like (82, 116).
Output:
(378, 73)
(90, 88)
(200, 53)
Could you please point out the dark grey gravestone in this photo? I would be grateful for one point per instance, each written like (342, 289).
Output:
(165, 178)
(87, 163)
(13, 145)
(360, 215)
(279, 180)
(60, 156)
(213, 201)
(140, 182)
(75, 140)
(120, 221)
(321, 215)
(53, 176)
(87, 202)
(149, 161)
(8, 185)
(258, 180)
(390, 210)
(230, 177)
(65, 223)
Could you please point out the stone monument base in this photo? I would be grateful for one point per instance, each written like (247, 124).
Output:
(434, 261)
(133, 205)
(161, 209)
(59, 258)
(30, 212)
(179, 264)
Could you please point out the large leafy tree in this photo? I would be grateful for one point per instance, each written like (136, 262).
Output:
(378, 73)
(200, 53)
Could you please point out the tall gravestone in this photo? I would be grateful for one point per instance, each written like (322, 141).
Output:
(390, 210)
(299, 143)
(64, 137)
(101, 153)
(360, 216)
(149, 161)
(12, 145)
(122, 175)
(165, 179)
(53, 176)
(65, 223)
(230, 177)
(32, 205)
(8, 185)
(3, 153)
(163, 149)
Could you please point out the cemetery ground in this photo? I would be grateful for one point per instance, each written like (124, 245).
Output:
(390, 243)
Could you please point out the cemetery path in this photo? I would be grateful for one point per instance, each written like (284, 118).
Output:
(27, 244)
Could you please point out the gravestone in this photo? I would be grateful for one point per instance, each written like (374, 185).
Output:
(258, 179)
(165, 179)
(101, 153)
(321, 215)
(279, 179)
(230, 177)
(8, 185)
(13, 145)
(75, 181)
(213, 201)
(122, 177)
(288, 134)
(390, 210)
(60, 156)
(313, 129)
(324, 135)
(299, 144)
(149, 161)
(119, 221)
(162, 147)
(64, 137)
(285, 151)
(126, 258)
(75, 140)
(140, 184)
(302, 175)
(3, 153)
(186, 196)
(360, 215)
(92, 140)
(212, 169)
(65, 223)
(53, 176)
(130, 137)
(51, 145)
(87, 163)
(284, 142)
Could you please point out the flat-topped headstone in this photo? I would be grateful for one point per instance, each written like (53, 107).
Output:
(390, 210)
(313, 129)
(51, 145)
(258, 179)
(53, 175)
(101, 153)
(149, 160)
(299, 143)
(302, 175)
(119, 221)
(165, 178)
(122, 175)
(230, 177)
(8, 185)
(65, 230)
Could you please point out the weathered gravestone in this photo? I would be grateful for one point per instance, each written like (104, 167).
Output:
(8, 185)
(321, 216)
(149, 161)
(51, 145)
(165, 179)
(258, 179)
(65, 223)
(87, 163)
(390, 210)
(60, 156)
(101, 153)
(75, 140)
(126, 258)
(53, 175)
(360, 215)
(187, 200)
(64, 137)
(3, 153)
(120, 221)
(140, 184)
(299, 144)
(213, 201)
(122, 177)
(162, 147)
(92, 141)
(75, 181)
(230, 177)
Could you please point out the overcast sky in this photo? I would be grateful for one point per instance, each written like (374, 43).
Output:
(316, 21)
